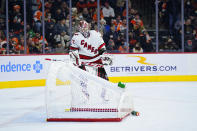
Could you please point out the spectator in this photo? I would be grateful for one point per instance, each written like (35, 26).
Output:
(188, 8)
(163, 13)
(120, 6)
(59, 48)
(137, 25)
(173, 9)
(92, 4)
(103, 27)
(2, 23)
(36, 5)
(49, 29)
(108, 12)
(37, 47)
(20, 46)
(48, 5)
(189, 28)
(75, 15)
(58, 16)
(67, 21)
(3, 43)
(122, 48)
(12, 44)
(74, 27)
(95, 15)
(132, 41)
(30, 44)
(137, 48)
(86, 15)
(189, 44)
(30, 32)
(55, 5)
(111, 44)
(148, 47)
(64, 9)
(132, 13)
(195, 44)
(80, 5)
(117, 22)
(37, 21)
(61, 27)
(62, 40)
(38, 41)
(169, 45)
(2, 51)
(190, 35)
(123, 26)
(17, 23)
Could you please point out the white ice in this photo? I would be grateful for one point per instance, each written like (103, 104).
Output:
(163, 106)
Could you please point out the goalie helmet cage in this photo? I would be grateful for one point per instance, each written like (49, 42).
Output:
(73, 94)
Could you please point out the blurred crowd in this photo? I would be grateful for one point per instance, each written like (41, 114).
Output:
(113, 25)
(170, 19)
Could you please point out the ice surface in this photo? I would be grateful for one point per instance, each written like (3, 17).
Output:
(162, 106)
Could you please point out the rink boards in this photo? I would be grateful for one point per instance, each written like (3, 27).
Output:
(31, 70)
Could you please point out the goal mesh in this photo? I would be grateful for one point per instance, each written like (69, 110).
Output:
(73, 94)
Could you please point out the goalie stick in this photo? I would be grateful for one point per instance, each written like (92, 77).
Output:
(83, 63)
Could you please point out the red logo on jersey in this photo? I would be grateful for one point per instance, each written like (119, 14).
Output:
(89, 47)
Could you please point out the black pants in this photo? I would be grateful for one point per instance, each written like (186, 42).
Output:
(101, 72)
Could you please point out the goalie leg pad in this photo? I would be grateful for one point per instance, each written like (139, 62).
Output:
(102, 73)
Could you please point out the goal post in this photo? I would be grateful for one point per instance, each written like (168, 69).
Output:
(73, 94)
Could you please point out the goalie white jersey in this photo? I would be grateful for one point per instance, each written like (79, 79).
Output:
(88, 48)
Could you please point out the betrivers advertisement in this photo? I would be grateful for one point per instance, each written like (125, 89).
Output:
(152, 64)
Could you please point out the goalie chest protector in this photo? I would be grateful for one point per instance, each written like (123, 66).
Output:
(88, 47)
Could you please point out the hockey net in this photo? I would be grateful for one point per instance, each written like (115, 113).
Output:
(73, 94)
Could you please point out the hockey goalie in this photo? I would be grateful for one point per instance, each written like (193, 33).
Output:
(88, 52)
(79, 90)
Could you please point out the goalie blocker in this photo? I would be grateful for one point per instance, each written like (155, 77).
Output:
(76, 95)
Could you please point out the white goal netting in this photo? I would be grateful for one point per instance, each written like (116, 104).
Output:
(73, 94)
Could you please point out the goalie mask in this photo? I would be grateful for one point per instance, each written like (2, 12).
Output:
(84, 28)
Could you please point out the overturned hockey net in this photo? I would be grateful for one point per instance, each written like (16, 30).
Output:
(73, 94)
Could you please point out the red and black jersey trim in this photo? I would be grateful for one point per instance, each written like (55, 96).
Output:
(73, 48)
(87, 57)
(101, 46)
